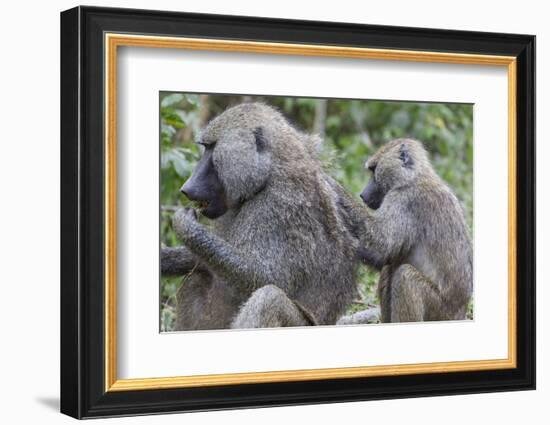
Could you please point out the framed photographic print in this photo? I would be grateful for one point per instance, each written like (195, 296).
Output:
(261, 212)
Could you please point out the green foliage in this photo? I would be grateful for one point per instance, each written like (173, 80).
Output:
(352, 131)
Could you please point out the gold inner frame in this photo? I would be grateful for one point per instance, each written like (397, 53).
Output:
(113, 41)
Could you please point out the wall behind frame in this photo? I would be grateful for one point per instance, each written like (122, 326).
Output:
(29, 171)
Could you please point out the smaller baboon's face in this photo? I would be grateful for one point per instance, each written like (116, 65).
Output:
(373, 195)
(392, 166)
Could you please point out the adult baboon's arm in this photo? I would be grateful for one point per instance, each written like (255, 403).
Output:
(246, 270)
(176, 261)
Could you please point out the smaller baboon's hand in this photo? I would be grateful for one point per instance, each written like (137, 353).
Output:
(183, 220)
(370, 257)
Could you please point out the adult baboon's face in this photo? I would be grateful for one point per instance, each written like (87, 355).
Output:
(239, 140)
(205, 188)
(236, 164)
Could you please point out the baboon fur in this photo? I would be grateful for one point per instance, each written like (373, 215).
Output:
(285, 251)
(417, 236)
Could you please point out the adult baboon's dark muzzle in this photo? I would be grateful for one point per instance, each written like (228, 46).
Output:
(205, 188)
(373, 195)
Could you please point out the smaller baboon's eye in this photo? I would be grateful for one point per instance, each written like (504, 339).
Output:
(405, 157)
(372, 168)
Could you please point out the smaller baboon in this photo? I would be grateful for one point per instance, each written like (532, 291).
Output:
(417, 236)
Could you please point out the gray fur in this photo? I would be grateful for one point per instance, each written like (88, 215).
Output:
(286, 233)
(370, 315)
(419, 237)
(176, 261)
(269, 307)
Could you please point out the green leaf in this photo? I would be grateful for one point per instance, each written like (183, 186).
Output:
(171, 99)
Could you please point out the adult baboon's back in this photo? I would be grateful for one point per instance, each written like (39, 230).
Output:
(281, 245)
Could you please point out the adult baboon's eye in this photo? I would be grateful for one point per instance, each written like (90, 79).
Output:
(207, 146)
(372, 170)
(261, 141)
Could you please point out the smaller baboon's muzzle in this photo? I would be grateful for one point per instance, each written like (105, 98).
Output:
(372, 195)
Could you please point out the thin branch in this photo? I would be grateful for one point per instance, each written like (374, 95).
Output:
(170, 208)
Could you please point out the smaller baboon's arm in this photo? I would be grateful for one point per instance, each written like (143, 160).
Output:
(246, 270)
(389, 232)
(176, 261)
(352, 211)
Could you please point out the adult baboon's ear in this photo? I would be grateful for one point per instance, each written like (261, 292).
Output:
(405, 157)
(261, 140)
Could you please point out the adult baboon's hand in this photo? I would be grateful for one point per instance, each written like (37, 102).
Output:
(183, 220)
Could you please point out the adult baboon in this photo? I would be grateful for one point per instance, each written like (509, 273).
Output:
(281, 250)
(417, 236)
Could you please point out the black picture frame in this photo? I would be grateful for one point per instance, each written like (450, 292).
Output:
(83, 392)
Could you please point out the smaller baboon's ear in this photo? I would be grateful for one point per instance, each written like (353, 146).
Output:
(261, 140)
(405, 157)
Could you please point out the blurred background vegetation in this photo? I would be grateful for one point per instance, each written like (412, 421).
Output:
(352, 130)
